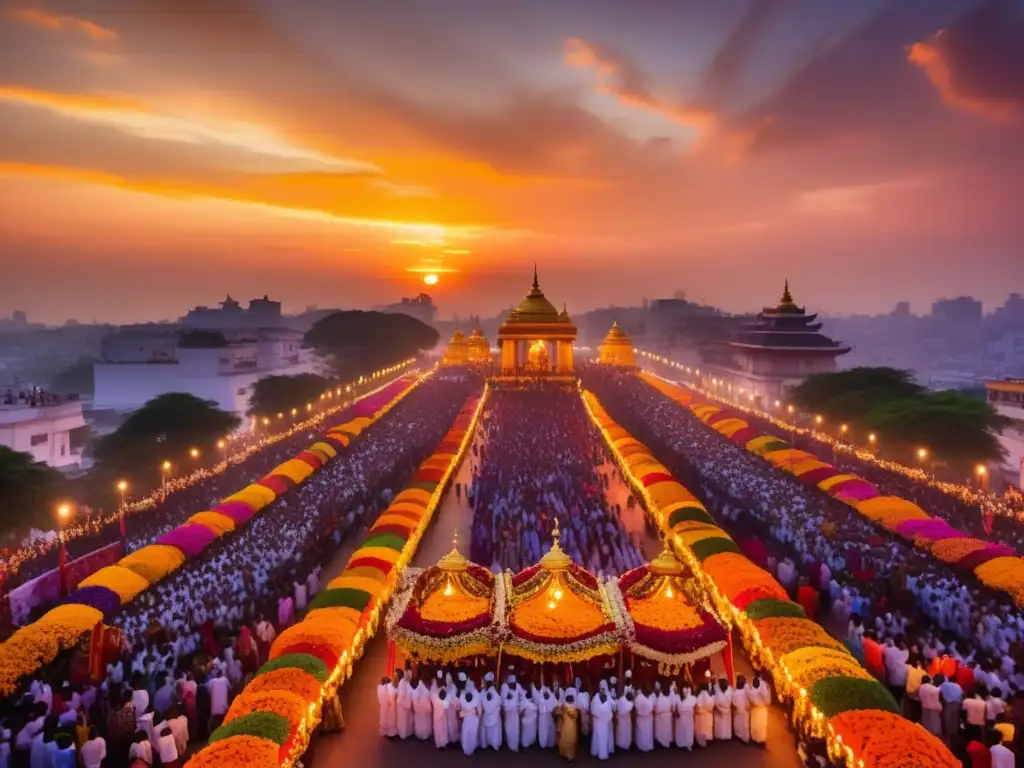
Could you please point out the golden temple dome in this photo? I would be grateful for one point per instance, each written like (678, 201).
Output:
(454, 561)
(616, 349)
(458, 338)
(535, 308)
(666, 563)
(555, 559)
(615, 333)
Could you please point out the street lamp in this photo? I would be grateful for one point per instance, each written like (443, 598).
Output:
(982, 472)
(790, 408)
(194, 453)
(122, 486)
(922, 454)
(843, 429)
(165, 470)
(63, 514)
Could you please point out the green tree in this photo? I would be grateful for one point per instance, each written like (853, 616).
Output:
(165, 428)
(280, 394)
(29, 490)
(849, 395)
(358, 342)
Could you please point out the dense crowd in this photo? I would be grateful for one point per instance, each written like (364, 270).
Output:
(858, 580)
(194, 639)
(539, 461)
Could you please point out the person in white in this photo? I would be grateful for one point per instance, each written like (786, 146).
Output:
(219, 689)
(510, 714)
(403, 705)
(440, 705)
(386, 695)
(627, 685)
(94, 751)
(999, 754)
(931, 707)
(582, 700)
(452, 713)
(491, 723)
(422, 712)
(168, 750)
(528, 721)
(624, 721)
(644, 706)
(741, 710)
(602, 740)
(663, 706)
(974, 711)
(469, 711)
(760, 697)
(723, 711)
(703, 721)
(684, 724)
(545, 719)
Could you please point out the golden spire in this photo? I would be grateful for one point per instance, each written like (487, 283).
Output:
(453, 561)
(536, 283)
(555, 559)
(787, 298)
(666, 563)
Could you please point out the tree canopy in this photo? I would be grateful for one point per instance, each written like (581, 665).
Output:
(165, 428)
(280, 394)
(956, 428)
(361, 342)
(28, 491)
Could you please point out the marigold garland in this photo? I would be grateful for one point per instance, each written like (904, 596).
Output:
(284, 703)
(124, 581)
(833, 695)
(216, 522)
(262, 725)
(886, 740)
(154, 562)
(672, 615)
(238, 752)
(290, 680)
(453, 609)
(786, 635)
(311, 665)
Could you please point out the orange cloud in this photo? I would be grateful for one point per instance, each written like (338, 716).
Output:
(931, 58)
(59, 23)
(622, 79)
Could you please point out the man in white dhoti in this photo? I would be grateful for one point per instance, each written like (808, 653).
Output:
(403, 706)
(602, 742)
(644, 706)
(545, 719)
(491, 722)
(422, 711)
(469, 711)
(723, 711)
(386, 699)
(760, 697)
(528, 719)
(662, 717)
(624, 721)
(441, 705)
(685, 720)
(741, 710)
(510, 682)
(452, 713)
(704, 716)
(510, 713)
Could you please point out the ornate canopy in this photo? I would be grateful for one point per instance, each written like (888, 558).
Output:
(536, 321)
(616, 349)
(479, 349)
(457, 352)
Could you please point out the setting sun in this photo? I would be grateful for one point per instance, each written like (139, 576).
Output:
(430, 279)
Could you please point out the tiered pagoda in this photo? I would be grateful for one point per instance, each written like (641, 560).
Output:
(616, 349)
(536, 338)
(778, 350)
(457, 352)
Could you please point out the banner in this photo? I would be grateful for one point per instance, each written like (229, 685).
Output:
(45, 589)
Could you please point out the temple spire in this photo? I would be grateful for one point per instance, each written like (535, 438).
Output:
(787, 298)
(536, 283)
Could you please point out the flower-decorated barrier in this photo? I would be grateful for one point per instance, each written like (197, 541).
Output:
(810, 669)
(32, 646)
(897, 515)
(558, 612)
(447, 612)
(661, 622)
(271, 720)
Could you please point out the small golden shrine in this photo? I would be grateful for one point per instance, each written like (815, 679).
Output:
(457, 352)
(536, 338)
(479, 348)
(616, 349)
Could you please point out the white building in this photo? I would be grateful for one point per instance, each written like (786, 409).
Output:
(140, 364)
(43, 430)
(229, 315)
(1007, 397)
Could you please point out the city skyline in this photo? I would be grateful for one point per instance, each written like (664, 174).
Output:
(159, 155)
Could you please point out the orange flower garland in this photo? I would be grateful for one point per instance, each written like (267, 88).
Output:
(885, 740)
(667, 614)
(786, 635)
(453, 609)
(238, 752)
(284, 703)
(734, 573)
(154, 562)
(571, 617)
(288, 679)
(951, 550)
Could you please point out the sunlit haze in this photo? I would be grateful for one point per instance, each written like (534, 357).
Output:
(155, 155)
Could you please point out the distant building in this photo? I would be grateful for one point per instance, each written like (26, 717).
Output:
(41, 425)
(777, 351)
(950, 314)
(138, 364)
(421, 307)
(1007, 397)
(229, 315)
(902, 309)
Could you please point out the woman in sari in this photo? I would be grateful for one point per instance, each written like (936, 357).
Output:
(568, 731)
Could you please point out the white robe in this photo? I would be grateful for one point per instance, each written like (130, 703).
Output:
(491, 722)
(760, 699)
(663, 719)
(510, 710)
(703, 721)
(546, 721)
(623, 723)
(723, 714)
(422, 713)
(602, 742)
(741, 714)
(453, 714)
(386, 695)
(685, 722)
(403, 710)
(440, 720)
(644, 722)
(469, 711)
(528, 723)
(583, 702)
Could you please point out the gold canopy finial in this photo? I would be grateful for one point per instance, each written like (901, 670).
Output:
(555, 559)
(666, 563)
(453, 561)
(787, 297)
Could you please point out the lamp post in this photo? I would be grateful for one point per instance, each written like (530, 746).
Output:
(63, 514)
(982, 472)
(165, 471)
(122, 486)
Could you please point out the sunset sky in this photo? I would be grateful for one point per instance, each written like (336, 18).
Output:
(155, 154)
